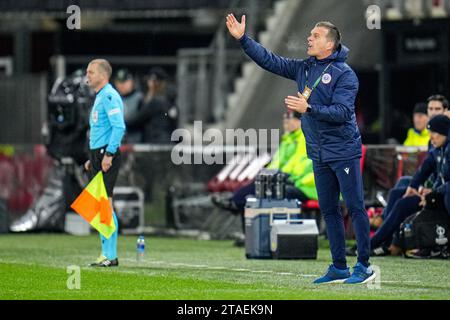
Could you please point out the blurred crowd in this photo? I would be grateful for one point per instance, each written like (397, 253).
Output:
(151, 114)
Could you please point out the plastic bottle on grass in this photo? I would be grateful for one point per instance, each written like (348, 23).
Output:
(140, 248)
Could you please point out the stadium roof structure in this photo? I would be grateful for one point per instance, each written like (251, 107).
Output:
(110, 5)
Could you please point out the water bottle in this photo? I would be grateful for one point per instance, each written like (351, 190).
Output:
(258, 187)
(140, 248)
(279, 186)
(269, 186)
(408, 230)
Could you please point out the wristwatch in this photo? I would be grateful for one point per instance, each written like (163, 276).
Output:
(109, 154)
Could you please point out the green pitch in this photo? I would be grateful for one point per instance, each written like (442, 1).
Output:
(35, 267)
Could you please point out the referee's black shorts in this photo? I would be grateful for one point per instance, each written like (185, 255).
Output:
(110, 176)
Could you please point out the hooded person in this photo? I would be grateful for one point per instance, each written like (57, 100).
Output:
(439, 127)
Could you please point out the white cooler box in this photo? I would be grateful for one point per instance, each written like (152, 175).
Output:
(295, 240)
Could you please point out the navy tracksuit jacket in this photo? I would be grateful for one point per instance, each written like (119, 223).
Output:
(333, 141)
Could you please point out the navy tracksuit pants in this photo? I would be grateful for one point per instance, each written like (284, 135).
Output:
(333, 178)
(394, 195)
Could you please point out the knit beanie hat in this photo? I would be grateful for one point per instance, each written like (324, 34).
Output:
(439, 124)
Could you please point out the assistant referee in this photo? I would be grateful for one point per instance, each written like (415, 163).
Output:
(107, 128)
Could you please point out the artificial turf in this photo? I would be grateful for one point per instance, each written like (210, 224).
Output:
(35, 266)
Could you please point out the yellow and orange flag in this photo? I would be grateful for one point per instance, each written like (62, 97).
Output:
(93, 205)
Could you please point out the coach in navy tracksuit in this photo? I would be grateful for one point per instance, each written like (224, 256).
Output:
(327, 90)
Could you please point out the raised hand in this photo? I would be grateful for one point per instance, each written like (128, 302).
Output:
(235, 28)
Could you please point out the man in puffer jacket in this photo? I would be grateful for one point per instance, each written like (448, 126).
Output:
(327, 89)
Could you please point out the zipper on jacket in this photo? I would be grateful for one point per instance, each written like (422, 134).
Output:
(441, 174)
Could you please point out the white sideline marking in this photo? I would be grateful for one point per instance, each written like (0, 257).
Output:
(406, 281)
(202, 266)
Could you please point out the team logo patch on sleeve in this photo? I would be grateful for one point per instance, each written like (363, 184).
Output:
(326, 78)
(113, 111)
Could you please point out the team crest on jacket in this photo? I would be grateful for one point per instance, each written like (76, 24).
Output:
(326, 78)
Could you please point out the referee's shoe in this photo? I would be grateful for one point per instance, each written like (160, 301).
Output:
(104, 262)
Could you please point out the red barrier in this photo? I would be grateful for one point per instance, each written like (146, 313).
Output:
(23, 176)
